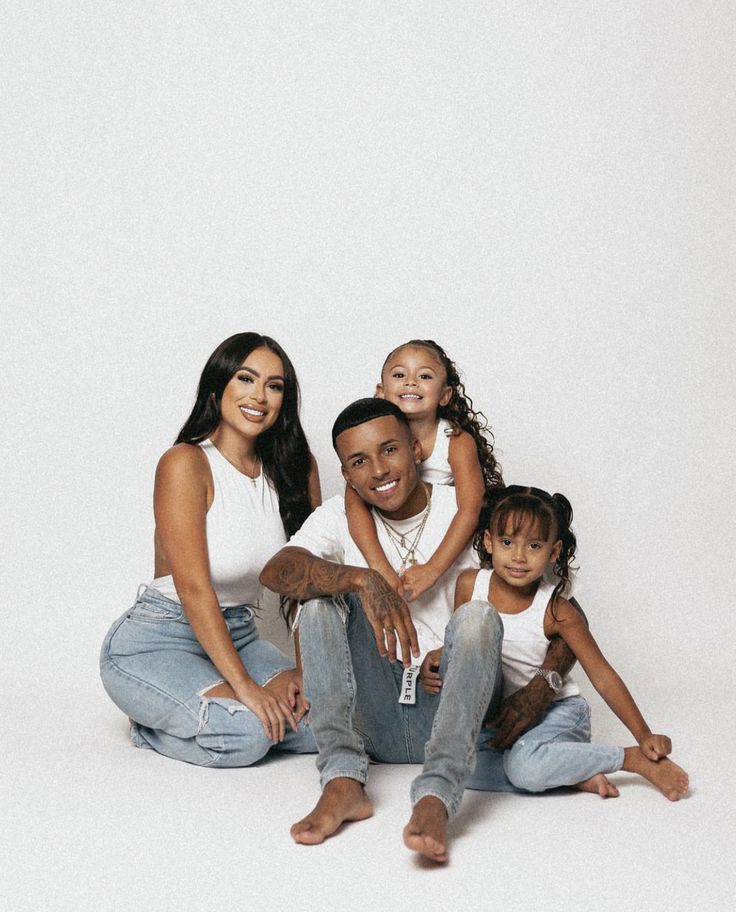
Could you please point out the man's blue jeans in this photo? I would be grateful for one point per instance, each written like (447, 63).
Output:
(354, 694)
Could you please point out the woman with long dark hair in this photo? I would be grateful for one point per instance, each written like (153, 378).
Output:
(186, 663)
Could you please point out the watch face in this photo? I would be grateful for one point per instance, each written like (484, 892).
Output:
(555, 681)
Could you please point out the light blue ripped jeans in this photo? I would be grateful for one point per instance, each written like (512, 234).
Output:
(156, 672)
(556, 752)
(354, 694)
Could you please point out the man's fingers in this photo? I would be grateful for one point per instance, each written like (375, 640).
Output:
(412, 643)
(378, 633)
(390, 634)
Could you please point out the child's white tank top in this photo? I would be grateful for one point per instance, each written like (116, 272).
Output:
(524, 643)
(436, 468)
(244, 530)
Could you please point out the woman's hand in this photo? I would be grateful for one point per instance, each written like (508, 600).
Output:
(288, 686)
(271, 708)
(418, 579)
(654, 747)
(429, 671)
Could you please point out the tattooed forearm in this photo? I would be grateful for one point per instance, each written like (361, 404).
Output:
(298, 574)
(559, 656)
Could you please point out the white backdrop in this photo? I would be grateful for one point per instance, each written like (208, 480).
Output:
(545, 189)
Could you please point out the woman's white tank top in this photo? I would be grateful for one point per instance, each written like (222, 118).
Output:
(244, 530)
(524, 643)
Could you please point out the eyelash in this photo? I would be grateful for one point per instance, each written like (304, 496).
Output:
(276, 387)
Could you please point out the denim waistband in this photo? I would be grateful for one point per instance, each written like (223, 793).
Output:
(149, 596)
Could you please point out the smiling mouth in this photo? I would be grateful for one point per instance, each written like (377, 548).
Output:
(387, 487)
(251, 412)
(410, 396)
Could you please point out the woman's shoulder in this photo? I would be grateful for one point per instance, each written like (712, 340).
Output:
(184, 461)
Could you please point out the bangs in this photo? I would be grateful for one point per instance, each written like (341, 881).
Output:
(531, 519)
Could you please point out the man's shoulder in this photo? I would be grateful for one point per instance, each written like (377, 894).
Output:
(328, 519)
(332, 507)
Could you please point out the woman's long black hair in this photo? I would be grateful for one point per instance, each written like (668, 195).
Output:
(459, 411)
(552, 513)
(283, 448)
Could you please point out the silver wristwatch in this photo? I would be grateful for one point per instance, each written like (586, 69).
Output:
(551, 677)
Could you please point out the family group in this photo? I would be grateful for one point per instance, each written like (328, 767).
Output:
(431, 605)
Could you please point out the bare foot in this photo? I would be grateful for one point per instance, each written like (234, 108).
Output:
(670, 779)
(342, 799)
(598, 785)
(426, 831)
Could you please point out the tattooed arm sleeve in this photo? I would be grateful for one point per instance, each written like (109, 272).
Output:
(298, 574)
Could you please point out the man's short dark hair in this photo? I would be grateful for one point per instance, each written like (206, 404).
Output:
(363, 410)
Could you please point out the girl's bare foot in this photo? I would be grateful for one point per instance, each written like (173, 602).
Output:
(426, 831)
(343, 799)
(598, 785)
(670, 779)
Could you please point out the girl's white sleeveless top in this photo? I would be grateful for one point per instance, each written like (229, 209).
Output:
(244, 530)
(436, 468)
(524, 643)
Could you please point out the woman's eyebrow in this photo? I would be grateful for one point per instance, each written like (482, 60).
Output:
(255, 373)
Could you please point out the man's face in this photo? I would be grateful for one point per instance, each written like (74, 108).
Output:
(379, 460)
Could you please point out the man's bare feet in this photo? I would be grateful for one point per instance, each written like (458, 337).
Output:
(598, 785)
(670, 779)
(426, 831)
(343, 799)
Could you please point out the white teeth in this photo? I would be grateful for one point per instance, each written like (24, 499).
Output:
(409, 396)
(251, 411)
(386, 487)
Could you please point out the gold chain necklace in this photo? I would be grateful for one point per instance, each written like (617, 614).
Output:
(399, 539)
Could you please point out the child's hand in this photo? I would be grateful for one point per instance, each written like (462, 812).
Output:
(654, 747)
(429, 676)
(417, 580)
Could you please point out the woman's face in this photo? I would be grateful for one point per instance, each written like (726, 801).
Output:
(252, 399)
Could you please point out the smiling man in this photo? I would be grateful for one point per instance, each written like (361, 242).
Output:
(361, 645)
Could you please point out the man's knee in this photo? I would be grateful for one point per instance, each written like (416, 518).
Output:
(479, 621)
(319, 610)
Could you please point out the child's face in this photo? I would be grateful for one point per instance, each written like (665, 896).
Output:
(520, 557)
(415, 380)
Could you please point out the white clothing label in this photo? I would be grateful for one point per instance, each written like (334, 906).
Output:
(409, 680)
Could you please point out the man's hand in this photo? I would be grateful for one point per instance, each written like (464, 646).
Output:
(429, 672)
(520, 712)
(389, 617)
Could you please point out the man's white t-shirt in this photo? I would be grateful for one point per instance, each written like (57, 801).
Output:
(325, 534)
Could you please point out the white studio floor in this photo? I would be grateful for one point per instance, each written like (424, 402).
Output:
(91, 823)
